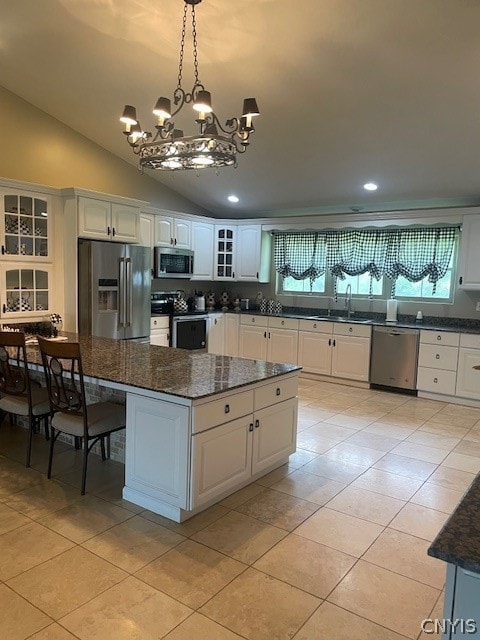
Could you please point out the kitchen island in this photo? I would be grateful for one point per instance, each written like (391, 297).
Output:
(199, 426)
(458, 544)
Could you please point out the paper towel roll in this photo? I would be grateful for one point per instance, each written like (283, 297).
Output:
(391, 311)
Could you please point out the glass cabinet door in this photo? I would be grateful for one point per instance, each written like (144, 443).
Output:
(25, 291)
(225, 253)
(25, 226)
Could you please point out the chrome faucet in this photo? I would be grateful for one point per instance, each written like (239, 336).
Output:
(348, 300)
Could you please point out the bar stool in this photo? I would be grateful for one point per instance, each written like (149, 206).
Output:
(21, 396)
(91, 423)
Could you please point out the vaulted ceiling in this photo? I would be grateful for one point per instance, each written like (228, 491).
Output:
(349, 91)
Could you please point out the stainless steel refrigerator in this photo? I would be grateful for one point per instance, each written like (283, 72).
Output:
(113, 289)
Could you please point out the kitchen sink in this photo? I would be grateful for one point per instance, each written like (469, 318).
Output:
(353, 319)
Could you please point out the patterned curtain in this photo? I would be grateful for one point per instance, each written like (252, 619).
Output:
(414, 253)
(300, 255)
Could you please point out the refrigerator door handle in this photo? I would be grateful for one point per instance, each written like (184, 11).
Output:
(121, 293)
(128, 291)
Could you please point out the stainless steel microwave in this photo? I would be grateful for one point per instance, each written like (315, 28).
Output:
(172, 263)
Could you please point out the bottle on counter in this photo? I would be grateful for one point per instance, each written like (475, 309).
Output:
(419, 317)
(258, 300)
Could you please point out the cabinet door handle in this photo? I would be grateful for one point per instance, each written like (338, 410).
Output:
(460, 280)
(329, 342)
(4, 309)
(250, 426)
(113, 231)
(3, 250)
(257, 275)
(278, 391)
(175, 242)
(257, 424)
(269, 335)
(334, 343)
(435, 380)
(227, 408)
(108, 231)
(171, 240)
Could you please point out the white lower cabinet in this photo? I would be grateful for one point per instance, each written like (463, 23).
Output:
(341, 350)
(232, 324)
(468, 378)
(216, 333)
(228, 448)
(252, 342)
(274, 339)
(222, 459)
(274, 434)
(437, 362)
(350, 357)
(160, 331)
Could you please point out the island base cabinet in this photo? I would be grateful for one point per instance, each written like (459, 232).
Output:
(222, 459)
(232, 454)
(157, 453)
(461, 611)
(274, 434)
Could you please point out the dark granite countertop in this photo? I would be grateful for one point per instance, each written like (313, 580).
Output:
(462, 325)
(459, 540)
(176, 372)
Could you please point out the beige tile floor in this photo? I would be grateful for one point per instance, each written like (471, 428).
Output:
(332, 546)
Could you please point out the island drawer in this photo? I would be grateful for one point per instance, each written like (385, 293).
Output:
(283, 323)
(275, 392)
(438, 357)
(316, 326)
(436, 380)
(211, 414)
(259, 321)
(446, 338)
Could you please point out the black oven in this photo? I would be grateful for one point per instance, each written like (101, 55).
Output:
(189, 331)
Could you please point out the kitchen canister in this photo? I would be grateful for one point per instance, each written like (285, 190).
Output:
(263, 305)
(271, 307)
(277, 308)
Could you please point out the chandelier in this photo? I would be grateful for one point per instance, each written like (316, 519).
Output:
(168, 148)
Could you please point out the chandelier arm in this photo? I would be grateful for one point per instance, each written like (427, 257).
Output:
(233, 124)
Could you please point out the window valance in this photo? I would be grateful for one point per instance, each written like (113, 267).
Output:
(414, 253)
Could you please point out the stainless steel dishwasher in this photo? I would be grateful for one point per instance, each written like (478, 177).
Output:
(394, 357)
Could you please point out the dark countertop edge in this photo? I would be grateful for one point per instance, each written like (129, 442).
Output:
(458, 542)
(359, 319)
(209, 394)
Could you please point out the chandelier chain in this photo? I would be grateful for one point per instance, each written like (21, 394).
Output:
(182, 46)
(195, 55)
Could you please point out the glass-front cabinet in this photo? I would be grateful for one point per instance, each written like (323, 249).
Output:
(24, 291)
(24, 228)
(225, 238)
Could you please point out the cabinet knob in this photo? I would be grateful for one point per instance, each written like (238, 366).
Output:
(435, 380)
(437, 356)
(257, 424)
(350, 329)
(439, 337)
(283, 321)
(227, 408)
(314, 325)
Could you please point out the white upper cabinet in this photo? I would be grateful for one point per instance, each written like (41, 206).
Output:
(253, 254)
(146, 231)
(203, 241)
(469, 261)
(103, 220)
(173, 232)
(24, 227)
(225, 250)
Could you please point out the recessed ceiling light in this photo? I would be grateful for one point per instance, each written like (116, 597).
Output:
(370, 186)
(233, 199)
